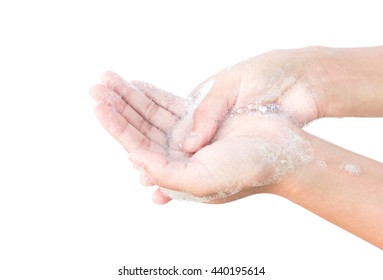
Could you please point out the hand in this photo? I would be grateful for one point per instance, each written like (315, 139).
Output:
(249, 154)
(140, 116)
(249, 151)
(286, 78)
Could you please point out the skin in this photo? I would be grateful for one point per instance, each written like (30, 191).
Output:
(142, 126)
(341, 83)
(306, 84)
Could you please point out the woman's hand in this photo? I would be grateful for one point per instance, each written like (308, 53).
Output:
(306, 84)
(140, 116)
(286, 78)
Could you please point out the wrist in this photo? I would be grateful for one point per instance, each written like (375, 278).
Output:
(319, 75)
(327, 158)
(306, 94)
(342, 187)
(343, 79)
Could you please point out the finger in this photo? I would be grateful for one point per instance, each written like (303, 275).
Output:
(123, 131)
(146, 107)
(107, 96)
(159, 197)
(175, 104)
(212, 110)
(184, 176)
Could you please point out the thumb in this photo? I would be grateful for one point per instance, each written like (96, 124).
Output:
(212, 110)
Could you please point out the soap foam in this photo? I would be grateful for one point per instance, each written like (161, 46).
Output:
(350, 168)
(184, 196)
(290, 153)
(321, 164)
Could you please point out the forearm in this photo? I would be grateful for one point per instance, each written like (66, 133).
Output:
(350, 81)
(343, 188)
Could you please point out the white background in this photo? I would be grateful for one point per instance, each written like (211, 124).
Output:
(71, 206)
